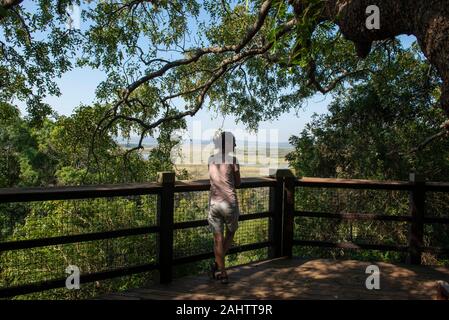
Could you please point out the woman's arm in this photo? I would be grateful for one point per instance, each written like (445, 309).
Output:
(237, 179)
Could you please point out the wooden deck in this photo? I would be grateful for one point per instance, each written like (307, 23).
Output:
(300, 279)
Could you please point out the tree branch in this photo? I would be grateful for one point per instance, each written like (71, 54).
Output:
(429, 140)
(193, 56)
(311, 74)
(444, 132)
(199, 52)
(8, 4)
(24, 25)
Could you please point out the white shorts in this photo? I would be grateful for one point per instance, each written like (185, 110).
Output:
(223, 214)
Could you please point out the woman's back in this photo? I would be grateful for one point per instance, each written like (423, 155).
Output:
(222, 178)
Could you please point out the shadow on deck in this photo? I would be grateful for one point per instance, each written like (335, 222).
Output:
(300, 279)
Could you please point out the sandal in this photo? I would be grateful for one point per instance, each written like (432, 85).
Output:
(223, 277)
(213, 270)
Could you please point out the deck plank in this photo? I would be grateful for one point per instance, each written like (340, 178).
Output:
(300, 279)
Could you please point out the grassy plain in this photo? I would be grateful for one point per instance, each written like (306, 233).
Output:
(252, 162)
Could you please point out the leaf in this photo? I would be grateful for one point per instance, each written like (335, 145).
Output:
(3, 12)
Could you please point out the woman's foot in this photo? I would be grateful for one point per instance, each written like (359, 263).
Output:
(223, 277)
(213, 270)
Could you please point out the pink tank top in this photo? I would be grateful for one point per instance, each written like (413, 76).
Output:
(222, 184)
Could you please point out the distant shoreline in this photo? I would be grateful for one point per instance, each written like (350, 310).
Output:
(151, 144)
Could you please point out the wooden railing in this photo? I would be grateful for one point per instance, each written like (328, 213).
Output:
(281, 215)
(165, 226)
(417, 218)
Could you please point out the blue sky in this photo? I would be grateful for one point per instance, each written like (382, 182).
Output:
(78, 87)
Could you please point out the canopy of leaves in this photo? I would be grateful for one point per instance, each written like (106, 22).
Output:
(165, 60)
(374, 130)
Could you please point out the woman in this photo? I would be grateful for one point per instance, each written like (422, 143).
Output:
(224, 211)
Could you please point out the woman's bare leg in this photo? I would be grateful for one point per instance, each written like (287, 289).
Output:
(219, 250)
(227, 242)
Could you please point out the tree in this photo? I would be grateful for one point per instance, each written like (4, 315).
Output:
(9, 162)
(35, 49)
(25, 160)
(373, 130)
(255, 59)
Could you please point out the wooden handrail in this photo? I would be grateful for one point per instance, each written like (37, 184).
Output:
(8, 195)
(437, 186)
(369, 184)
(354, 183)
(204, 185)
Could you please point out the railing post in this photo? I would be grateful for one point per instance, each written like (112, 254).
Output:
(165, 220)
(289, 213)
(417, 209)
(275, 222)
(282, 203)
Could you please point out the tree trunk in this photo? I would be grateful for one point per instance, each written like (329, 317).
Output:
(428, 20)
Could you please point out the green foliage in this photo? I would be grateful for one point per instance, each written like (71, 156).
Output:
(58, 152)
(372, 128)
(56, 218)
(130, 40)
(371, 131)
(305, 47)
(35, 49)
(9, 162)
